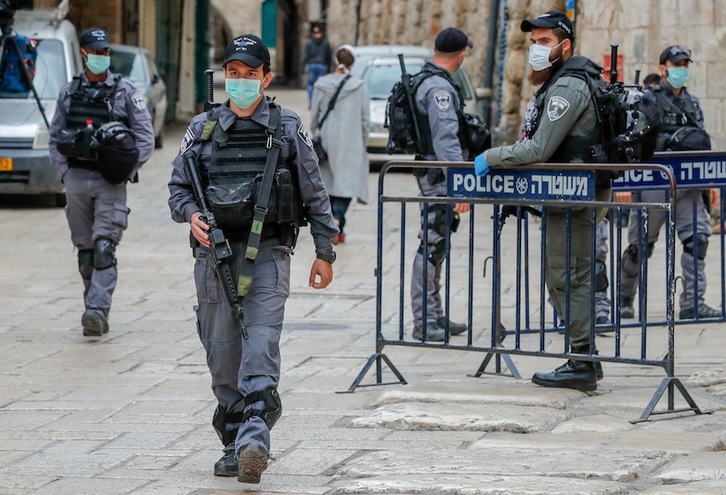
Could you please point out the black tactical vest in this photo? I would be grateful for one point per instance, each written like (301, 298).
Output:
(234, 176)
(675, 113)
(92, 105)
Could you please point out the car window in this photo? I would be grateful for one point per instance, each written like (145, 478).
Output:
(50, 71)
(380, 78)
(129, 65)
(463, 84)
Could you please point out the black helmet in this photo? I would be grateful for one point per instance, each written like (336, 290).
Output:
(689, 138)
(117, 153)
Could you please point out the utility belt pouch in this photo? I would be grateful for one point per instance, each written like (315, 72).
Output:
(288, 234)
(285, 191)
(233, 204)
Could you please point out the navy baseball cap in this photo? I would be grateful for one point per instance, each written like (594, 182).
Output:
(94, 38)
(675, 54)
(550, 20)
(452, 40)
(248, 49)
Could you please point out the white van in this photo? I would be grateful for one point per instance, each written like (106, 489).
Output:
(24, 161)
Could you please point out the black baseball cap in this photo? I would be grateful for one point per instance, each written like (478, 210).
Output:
(675, 54)
(550, 20)
(94, 38)
(248, 49)
(452, 40)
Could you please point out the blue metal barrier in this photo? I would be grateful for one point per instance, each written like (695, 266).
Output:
(564, 186)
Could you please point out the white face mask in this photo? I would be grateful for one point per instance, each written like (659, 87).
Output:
(539, 56)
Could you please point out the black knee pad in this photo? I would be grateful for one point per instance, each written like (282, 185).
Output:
(272, 410)
(226, 423)
(601, 276)
(104, 253)
(632, 251)
(436, 252)
(702, 246)
(85, 263)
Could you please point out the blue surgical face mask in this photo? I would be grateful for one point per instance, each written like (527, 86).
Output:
(243, 92)
(678, 76)
(98, 64)
(539, 56)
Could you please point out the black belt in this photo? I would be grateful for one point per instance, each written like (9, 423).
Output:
(269, 230)
(86, 165)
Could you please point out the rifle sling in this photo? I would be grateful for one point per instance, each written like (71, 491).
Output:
(274, 144)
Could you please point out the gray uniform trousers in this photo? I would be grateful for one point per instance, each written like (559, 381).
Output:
(692, 268)
(581, 262)
(95, 208)
(240, 367)
(434, 307)
(602, 301)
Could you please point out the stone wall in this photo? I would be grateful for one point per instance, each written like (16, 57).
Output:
(641, 29)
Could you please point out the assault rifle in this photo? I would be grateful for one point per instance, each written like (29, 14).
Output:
(209, 90)
(220, 249)
(508, 210)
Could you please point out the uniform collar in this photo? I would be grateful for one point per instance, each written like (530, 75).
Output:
(260, 116)
(109, 81)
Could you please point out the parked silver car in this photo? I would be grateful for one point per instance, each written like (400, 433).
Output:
(24, 161)
(135, 63)
(380, 69)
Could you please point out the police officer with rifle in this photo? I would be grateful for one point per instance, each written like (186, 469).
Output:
(260, 181)
(100, 135)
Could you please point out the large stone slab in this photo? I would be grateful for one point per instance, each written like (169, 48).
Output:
(701, 466)
(468, 417)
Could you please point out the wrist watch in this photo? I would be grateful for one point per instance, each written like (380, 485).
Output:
(328, 256)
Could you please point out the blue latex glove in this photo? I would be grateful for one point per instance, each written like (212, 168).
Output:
(481, 167)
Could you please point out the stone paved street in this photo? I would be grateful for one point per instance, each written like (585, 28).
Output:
(130, 413)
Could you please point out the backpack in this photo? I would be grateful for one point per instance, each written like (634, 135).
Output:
(14, 79)
(406, 131)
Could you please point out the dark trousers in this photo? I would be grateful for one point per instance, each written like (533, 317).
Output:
(339, 206)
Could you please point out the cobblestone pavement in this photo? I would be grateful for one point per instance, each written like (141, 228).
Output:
(130, 413)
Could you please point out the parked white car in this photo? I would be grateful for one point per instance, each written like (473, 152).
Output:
(24, 161)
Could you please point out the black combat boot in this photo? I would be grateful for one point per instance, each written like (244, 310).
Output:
(227, 464)
(580, 375)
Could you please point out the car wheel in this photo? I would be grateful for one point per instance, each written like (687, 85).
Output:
(59, 199)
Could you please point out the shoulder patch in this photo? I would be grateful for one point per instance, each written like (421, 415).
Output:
(138, 100)
(303, 133)
(557, 107)
(443, 100)
(187, 141)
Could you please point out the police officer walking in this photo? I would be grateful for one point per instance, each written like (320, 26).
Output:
(682, 128)
(563, 130)
(439, 106)
(100, 135)
(231, 145)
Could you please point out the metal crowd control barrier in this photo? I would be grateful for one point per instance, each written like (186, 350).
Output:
(564, 186)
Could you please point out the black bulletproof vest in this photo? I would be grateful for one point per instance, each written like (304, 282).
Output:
(234, 175)
(90, 103)
(675, 113)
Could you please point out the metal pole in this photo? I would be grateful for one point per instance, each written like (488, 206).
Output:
(485, 105)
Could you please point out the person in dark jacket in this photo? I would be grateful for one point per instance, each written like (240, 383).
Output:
(318, 58)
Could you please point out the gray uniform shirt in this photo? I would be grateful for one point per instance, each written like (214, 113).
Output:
(438, 99)
(568, 110)
(128, 108)
(296, 147)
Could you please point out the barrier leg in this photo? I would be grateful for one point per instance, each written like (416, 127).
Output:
(498, 369)
(375, 358)
(669, 383)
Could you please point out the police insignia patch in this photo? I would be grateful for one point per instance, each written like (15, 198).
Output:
(138, 100)
(443, 100)
(187, 141)
(557, 107)
(303, 133)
